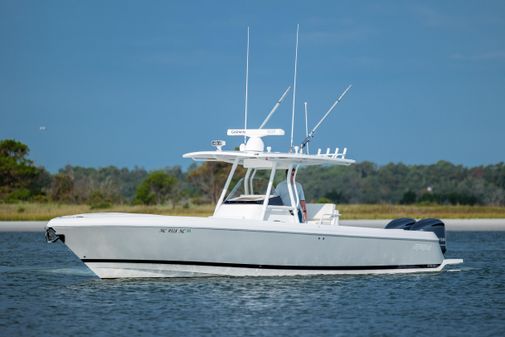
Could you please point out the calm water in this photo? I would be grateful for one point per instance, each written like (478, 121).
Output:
(45, 290)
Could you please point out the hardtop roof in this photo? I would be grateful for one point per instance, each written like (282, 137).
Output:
(265, 160)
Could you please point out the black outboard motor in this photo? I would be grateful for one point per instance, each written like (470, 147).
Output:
(429, 225)
(432, 225)
(401, 223)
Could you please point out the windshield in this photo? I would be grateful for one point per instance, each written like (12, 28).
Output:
(251, 189)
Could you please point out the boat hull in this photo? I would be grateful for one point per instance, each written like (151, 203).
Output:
(186, 247)
(143, 269)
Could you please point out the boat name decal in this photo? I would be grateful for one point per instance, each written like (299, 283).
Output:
(422, 247)
(175, 230)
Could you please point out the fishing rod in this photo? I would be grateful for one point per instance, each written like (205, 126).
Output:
(311, 134)
(276, 106)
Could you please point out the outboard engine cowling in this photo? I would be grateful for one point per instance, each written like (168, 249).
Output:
(401, 223)
(432, 225)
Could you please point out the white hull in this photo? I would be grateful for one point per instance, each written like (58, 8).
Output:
(120, 245)
(145, 270)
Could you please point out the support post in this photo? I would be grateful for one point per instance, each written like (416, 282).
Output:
(269, 190)
(291, 196)
(226, 185)
(251, 181)
(246, 181)
(295, 189)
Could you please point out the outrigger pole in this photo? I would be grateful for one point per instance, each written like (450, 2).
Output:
(311, 134)
(276, 106)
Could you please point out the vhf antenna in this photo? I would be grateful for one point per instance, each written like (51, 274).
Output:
(294, 90)
(306, 126)
(311, 134)
(246, 82)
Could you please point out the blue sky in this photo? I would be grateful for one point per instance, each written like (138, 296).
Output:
(139, 83)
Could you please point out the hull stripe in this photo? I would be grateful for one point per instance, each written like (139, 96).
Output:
(262, 266)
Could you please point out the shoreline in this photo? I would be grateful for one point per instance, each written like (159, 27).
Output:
(452, 225)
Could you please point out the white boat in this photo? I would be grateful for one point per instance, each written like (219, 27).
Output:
(252, 233)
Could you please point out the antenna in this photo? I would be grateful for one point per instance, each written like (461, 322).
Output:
(306, 127)
(246, 82)
(294, 89)
(311, 134)
(276, 106)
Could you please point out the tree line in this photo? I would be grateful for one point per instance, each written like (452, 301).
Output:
(440, 183)
(397, 183)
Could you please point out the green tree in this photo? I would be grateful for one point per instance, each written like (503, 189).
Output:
(156, 188)
(210, 177)
(62, 188)
(98, 200)
(408, 198)
(19, 178)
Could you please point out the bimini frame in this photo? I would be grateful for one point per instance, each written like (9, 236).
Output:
(256, 160)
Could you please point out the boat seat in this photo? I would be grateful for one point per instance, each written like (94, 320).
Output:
(326, 214)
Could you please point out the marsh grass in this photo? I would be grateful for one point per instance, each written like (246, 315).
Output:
(46, 211)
